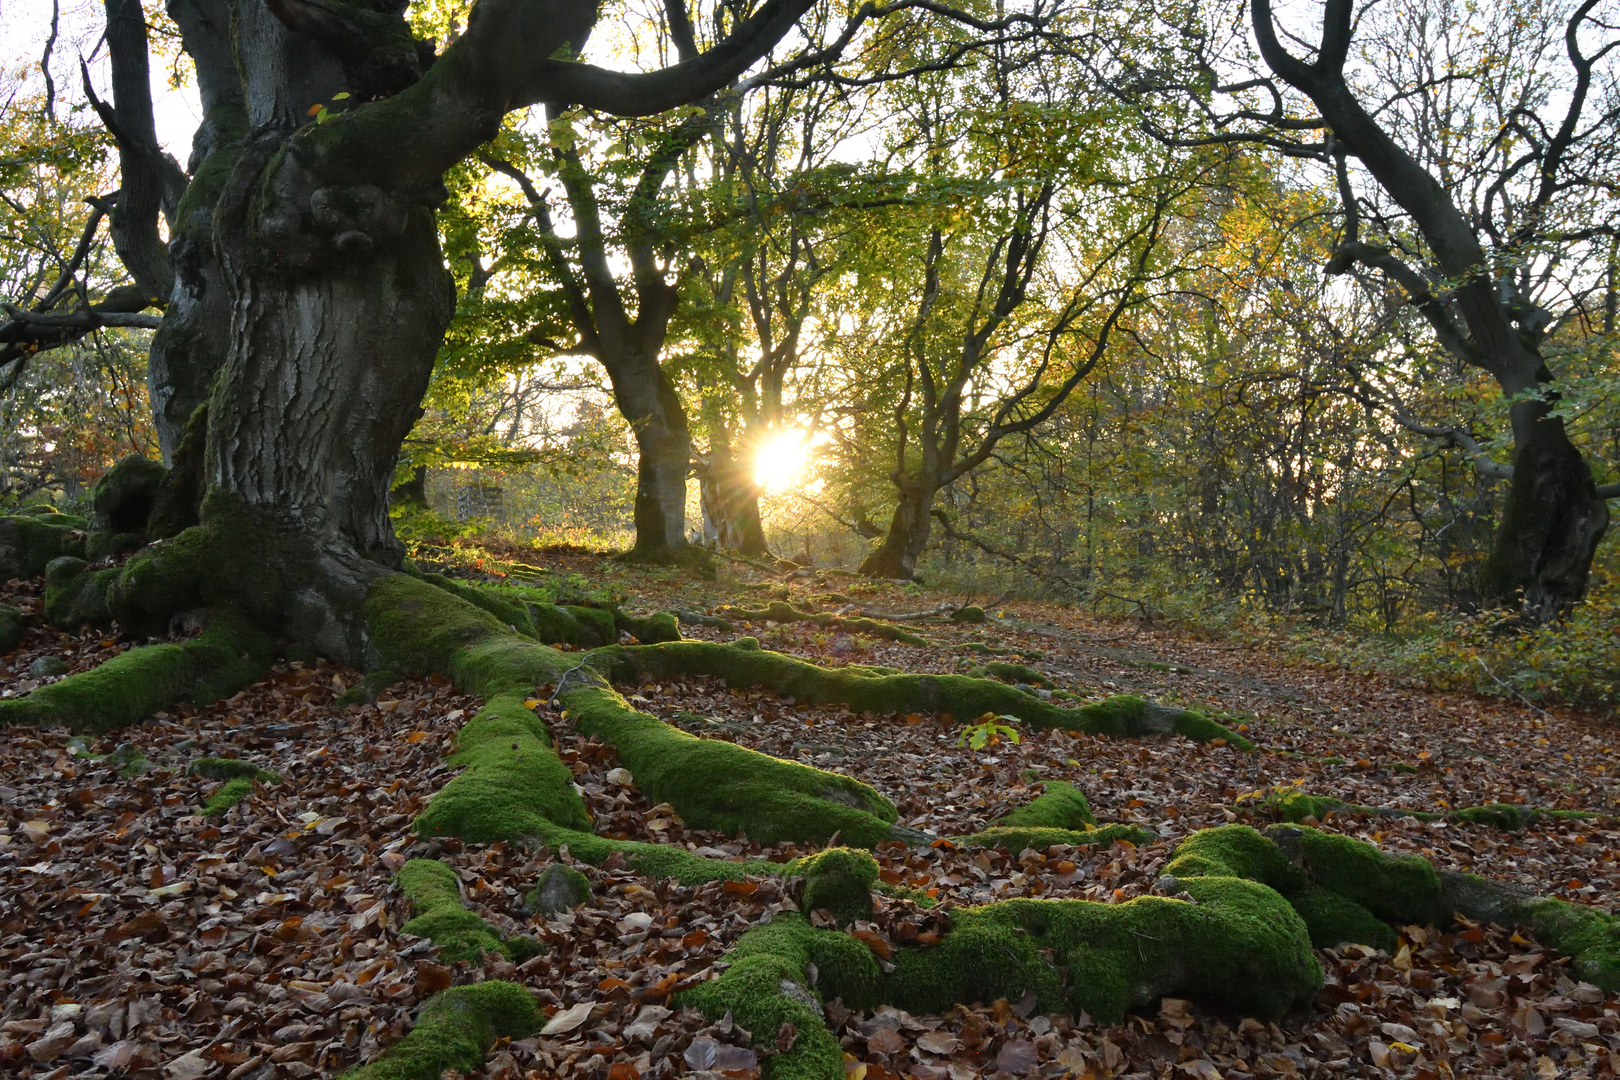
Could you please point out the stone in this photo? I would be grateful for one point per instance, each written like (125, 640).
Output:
(47, 667)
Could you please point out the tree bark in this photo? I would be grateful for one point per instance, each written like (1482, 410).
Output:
(648, 400)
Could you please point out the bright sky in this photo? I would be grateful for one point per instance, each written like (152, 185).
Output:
(26, 24)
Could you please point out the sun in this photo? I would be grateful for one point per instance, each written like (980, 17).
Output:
(780, 460)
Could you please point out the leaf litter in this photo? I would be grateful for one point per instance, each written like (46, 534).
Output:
(139, 938)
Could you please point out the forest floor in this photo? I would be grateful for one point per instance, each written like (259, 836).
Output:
(139, 937)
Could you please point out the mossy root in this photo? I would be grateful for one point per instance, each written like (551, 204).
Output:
(454, 1030)
(718, 785)
(133, 685)
(227, 795)
(872, 691)
(439, 915)
(778, 612)
(30, 542)
(12, 625)
(1060, 806)
(767, 986)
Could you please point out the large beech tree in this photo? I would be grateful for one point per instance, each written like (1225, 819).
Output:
(305, 292)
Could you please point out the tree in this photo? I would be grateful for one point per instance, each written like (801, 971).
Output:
(1483, 194)
(1042, 242)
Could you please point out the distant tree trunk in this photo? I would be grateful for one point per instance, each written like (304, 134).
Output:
(907, 536)
(1550, 527)
(731, 502)
(649, 401)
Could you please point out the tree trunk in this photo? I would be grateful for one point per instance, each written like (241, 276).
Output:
(730, 499)
(1550, 526)
(648, 400)
(908, 536)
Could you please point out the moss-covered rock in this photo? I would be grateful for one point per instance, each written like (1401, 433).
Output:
(559, 888)
(839, 880)
(439, 915)
(120, 504)
(1060, 806)
(722, 786)
(30, 542)
(968, 614)
(75, 595)
(12, 627)
(454, 1030)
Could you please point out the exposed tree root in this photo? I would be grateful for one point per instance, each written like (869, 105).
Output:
(454, 1030)
(439, 915)
(877, 690)
(227, 795)
(1296, 806)
(718, 785)
(1060, 806)
(778, 612)
(1010, 673)
(133, 685)
(239, 777)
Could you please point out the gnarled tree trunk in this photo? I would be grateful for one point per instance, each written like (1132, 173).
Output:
(907, 537)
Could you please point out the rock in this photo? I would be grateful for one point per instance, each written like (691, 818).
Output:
(122, 499)
(11, 628)
(47, 667)
(968, 614)
(559, 888)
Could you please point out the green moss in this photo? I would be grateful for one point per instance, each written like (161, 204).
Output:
(839, 880)
(419, 629)
(767, 985)
(721, 786)
(968, 614)
(1017, 838)
(436, 900)
(652, 630)
(1200, 728)
(29, 542)
(656, 860)
(1013, 673)
(76, 596)
(512, 782)
(216, 768)
(11, 628)
(779, 612)
(1589, 937)
(1235, 851)
(1502, 816)
(1238, 947)
(1334, 920)
(1398, 889)
(865, 691)
(228, 795)
(1060, 806)
(1294, 805)
(125, 690)
(455, 1030)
